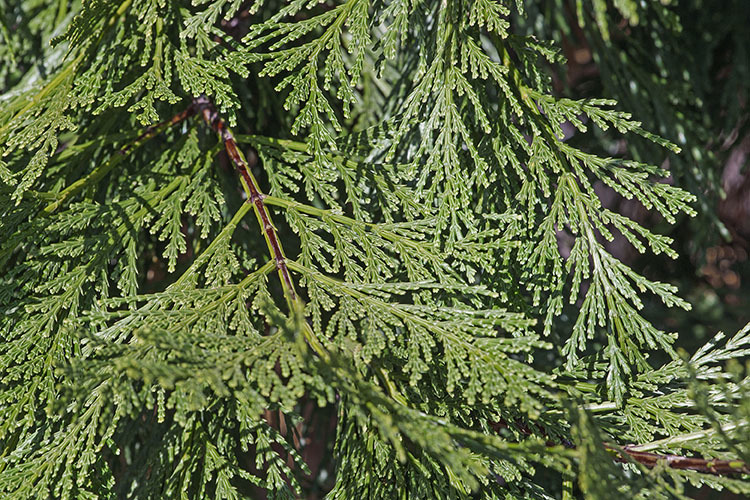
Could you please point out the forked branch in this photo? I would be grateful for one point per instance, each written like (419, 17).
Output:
(254, 194)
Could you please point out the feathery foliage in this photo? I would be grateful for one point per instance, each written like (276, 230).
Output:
(392, 252)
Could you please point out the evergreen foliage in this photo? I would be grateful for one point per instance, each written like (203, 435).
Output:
(388, 252)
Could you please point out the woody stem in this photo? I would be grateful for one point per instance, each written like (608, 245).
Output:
(253, 192)
(256, 197)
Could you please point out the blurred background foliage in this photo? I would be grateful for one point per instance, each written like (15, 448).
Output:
(683, 69)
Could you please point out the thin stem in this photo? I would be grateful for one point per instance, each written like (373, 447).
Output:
(601, 407)
(707, 466)
(253, 192)
(288, 144)
(256, 197)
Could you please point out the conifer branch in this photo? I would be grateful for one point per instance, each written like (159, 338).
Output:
(256, 198)
(254, 194)
(450, 301)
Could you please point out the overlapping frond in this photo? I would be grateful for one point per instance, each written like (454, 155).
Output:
(395, 237)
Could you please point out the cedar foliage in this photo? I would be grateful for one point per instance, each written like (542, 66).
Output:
(388, 254)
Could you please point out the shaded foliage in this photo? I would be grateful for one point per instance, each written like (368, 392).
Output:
(409, 234)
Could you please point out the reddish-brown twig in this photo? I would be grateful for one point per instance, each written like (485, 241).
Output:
(708, 466)
(255, 196)
(626, 454)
